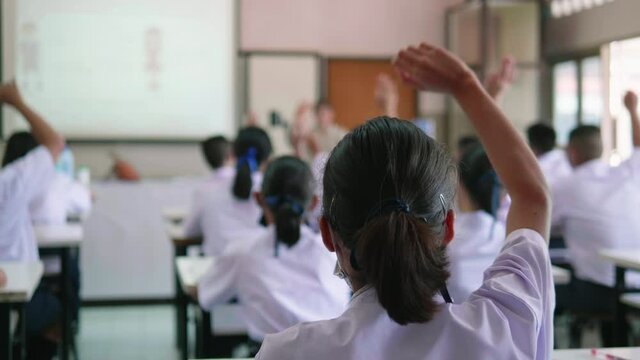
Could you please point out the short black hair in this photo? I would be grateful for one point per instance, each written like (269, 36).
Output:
(216, 150)
(542, 138)
(18, 145)
(586, 140)
(467, 142)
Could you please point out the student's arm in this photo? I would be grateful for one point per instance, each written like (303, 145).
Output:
(434, 69)
(43, 133)
(631, 103)
(218, 285)
(499, 82)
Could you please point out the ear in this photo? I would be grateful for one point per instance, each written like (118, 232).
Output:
(313, 203)
(259, 199)
(327, 236)
(449, 232)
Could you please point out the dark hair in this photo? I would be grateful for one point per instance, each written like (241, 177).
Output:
(467, 142)
(480, 179)
(386, 187)
(251, 148)
(216, 149)
(586, 141)
(541, 137)
(18, 145)
(287, 187)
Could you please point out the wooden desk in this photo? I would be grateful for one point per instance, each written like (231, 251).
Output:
(586, 354)
(623, 260)
(60, 240)
(560, 276)
(22, 281)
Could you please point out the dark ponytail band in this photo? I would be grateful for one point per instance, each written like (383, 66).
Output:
(277, 201)
(250, 158)
(388, 207)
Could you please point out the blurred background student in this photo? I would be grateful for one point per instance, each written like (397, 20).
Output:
(232, 214)
(283, 276)
(22, 180)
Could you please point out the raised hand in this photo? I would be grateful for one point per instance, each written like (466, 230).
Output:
(9, 94)
(631, 101)
(430, 68)
(498, 82)
(386, 94)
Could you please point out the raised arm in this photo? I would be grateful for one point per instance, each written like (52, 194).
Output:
(631, 103)
(499, 82)
(431, 68)
(41, 130)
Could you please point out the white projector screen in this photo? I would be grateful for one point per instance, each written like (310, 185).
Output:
(126, 69)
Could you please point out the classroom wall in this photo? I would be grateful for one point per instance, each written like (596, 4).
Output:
(354, 28)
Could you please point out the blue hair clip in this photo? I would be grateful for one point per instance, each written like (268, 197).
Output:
(275, 201)
(250, 158)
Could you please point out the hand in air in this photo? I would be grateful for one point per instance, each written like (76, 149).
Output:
(431, 68)
(498, 82)
(386, 92)
(9, 94)
(631, 101)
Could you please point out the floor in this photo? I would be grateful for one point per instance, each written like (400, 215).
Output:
(127, 332)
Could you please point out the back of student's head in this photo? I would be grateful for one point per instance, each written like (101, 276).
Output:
(18, 145)
(251, 148)
(288, 187)
(467, 142)
(387, 190)
(216, 151)
(542, 138)
(480, 179)
(585, 144)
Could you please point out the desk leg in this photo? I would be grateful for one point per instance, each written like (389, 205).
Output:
(620, 336)
(66, 304)
(181, 308)
(6, 338)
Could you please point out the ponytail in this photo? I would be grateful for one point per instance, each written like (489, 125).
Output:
(243, 182)
(288, 214)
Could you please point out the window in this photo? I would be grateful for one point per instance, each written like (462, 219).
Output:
(592, 103)
(565, 99)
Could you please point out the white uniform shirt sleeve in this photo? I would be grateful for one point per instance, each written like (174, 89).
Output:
(79, 199)
(218, 285)
(520, 284)
(193, 223)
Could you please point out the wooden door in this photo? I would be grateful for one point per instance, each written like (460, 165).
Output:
(350, 89)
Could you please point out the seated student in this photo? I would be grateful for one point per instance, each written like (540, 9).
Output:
(388, 190)
(595, 208)
(284, 275)
(553, 161)
(232, 214)
(20, 182)
(63, 197)
(217, 153)
(479, 235)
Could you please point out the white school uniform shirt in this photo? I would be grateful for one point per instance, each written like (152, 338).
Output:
(221, 218)
(20, 183)
(277, 292)
(596, 208)
(477, 242)
(555, 165)
(510, 317)
(63, 197)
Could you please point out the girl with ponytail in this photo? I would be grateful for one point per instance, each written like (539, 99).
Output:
(231, 213)
(283, 276)
(479, 235)
(388, 192)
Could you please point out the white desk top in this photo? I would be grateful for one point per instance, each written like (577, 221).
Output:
(22, 281)
(175, 213)
(176, 232)
(68, 235)
(191, 269)
(560, 276)
(629, 258)
(585, 354)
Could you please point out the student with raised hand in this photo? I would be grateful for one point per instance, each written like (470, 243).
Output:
(232, 214)
(479, 235)
(388, 191)
(596, 208)
(283, 276)
(20, 182)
